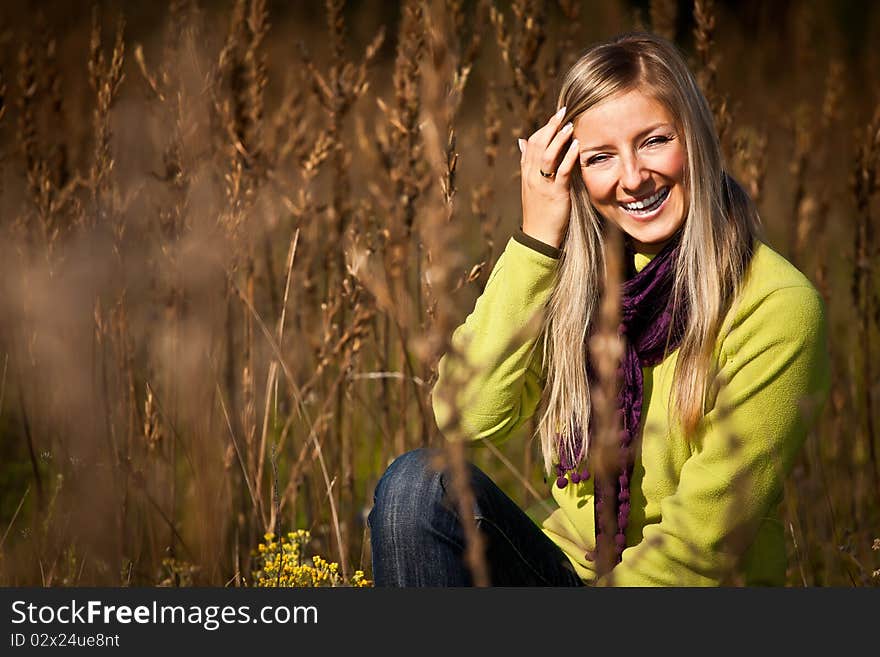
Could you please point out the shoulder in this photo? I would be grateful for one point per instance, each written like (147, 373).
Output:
(774, 342)
(777, 302)
(769, 271)
(771, 279)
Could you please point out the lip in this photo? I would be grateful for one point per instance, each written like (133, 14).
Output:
(648, 217)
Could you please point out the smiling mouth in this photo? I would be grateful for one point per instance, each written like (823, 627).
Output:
(649, 205)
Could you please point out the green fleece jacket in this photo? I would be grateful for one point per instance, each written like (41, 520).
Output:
(704, 511)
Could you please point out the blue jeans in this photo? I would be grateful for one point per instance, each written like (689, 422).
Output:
(417, 539)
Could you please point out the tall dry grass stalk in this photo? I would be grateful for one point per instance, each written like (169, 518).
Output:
(664, 15)
(443, 88)
(802, 222)
(349, 82)
(708, 61)
(2, 153)
(750, 160)
(240, 81)
(831, 117)
(398, 149)
(520, 45)
(427, 104)
(41, 224)
(605, 350)
(105, 78)
(865, 184)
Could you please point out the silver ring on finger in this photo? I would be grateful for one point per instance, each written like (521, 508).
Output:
(547, 175)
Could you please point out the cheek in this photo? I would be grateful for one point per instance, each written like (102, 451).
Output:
(676, 165)
(598, 185)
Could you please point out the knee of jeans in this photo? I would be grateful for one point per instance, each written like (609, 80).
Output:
(406, 489)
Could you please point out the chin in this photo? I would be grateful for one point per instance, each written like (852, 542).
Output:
(654, 239)
(652, 235)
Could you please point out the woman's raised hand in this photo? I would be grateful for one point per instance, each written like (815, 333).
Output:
(546, 165)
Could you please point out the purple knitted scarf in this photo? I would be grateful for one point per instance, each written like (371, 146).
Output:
(646, 316)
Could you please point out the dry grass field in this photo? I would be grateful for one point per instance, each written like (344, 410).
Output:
(235, 238)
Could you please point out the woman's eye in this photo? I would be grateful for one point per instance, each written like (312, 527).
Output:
(596, 159)
(653, 141)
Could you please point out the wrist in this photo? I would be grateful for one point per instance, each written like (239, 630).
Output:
(542, 235)
(537, 245)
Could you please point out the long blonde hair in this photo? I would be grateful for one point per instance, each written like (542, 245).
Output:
(715, 249)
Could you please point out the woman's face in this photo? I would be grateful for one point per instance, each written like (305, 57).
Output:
(631, 151)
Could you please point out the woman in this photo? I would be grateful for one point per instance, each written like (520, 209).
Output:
(725, 366)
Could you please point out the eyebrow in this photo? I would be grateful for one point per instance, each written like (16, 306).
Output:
(638, 136)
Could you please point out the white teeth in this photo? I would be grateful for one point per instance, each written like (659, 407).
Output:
(638, 205)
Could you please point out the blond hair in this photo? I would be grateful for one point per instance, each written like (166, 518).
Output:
(715, 249)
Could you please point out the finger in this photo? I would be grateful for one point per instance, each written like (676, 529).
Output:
(543, 135)
(556, 148)
(563, 173)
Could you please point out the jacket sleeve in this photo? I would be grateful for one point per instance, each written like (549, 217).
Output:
(489, 383)
(776, 366)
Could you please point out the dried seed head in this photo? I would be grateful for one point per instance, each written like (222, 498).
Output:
(664, 14)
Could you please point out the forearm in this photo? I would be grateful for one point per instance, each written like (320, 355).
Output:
(490, 381)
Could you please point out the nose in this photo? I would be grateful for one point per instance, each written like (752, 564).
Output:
(633, 175)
